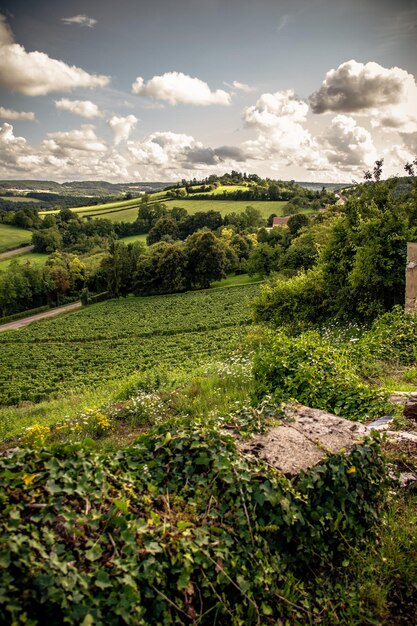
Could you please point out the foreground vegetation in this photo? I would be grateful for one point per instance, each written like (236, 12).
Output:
(179, 528)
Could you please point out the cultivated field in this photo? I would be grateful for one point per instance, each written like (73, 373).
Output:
(111, 340)
(12, 237)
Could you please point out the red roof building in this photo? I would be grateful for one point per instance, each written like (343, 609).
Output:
(280, 221)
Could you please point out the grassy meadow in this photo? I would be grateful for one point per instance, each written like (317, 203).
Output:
(229, 206)
(12, 237)
(36, 258)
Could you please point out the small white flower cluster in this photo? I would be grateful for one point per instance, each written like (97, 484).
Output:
(236, 366)
(338, 333)
(143, 407)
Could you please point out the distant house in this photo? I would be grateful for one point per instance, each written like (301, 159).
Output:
(280, 221)
(322, 210)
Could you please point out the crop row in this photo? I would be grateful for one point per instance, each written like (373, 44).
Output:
(142, 317)
(39, 371)
(112, 340)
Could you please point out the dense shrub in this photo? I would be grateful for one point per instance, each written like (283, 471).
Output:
(297, 301)
(312, 371)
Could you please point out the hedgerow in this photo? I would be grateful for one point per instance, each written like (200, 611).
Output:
(179, 528)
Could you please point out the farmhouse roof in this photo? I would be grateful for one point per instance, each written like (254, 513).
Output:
(280, 221)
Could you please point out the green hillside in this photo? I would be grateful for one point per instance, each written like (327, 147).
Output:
(12, 237)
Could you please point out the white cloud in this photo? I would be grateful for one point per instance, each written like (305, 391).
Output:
(82, 20)
(161, 149)
(178, 88)
(273, 109)
(240, 86)
(122, 127)
(10, 114)
(84, 108)
(387, 96)
(14, 151)
(35, 73)
(356, 87)
(82, 139)
(348, 145)
(279, 120)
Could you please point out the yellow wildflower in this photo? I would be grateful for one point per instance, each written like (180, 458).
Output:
(28, 479)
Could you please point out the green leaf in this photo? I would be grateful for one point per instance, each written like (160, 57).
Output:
(5, 559)
(94, 553)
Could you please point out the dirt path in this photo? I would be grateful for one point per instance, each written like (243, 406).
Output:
(27, 320)
(5, 255)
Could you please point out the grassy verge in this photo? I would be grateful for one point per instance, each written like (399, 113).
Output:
(237, 279)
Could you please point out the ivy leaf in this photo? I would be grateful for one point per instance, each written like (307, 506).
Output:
(94, 553)
(5, 559)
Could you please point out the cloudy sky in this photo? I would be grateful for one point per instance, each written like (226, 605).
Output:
(163, 89)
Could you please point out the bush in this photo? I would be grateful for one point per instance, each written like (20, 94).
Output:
(392, 337)
(298, 301)
(309, 369)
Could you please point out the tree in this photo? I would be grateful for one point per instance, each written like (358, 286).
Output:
(206, 258)
(263, 260)
(47, 240)
(161, 269)
(117, 268)
(164, 227)
(297, 222)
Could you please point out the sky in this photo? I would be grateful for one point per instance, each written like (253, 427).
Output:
(310, 90)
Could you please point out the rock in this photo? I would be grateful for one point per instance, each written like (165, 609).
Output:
(382, 423)
(410, 411)
(9, 452)
(402, 435)
(406, 479)
(304, 439)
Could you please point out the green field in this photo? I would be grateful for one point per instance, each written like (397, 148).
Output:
(237, 279)
(98, 208)
(134, 238)
(127, 210)
(193, 206)
(117, 338)
(12, 237)
(229, 206)
(36, 258)
(19, 199)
